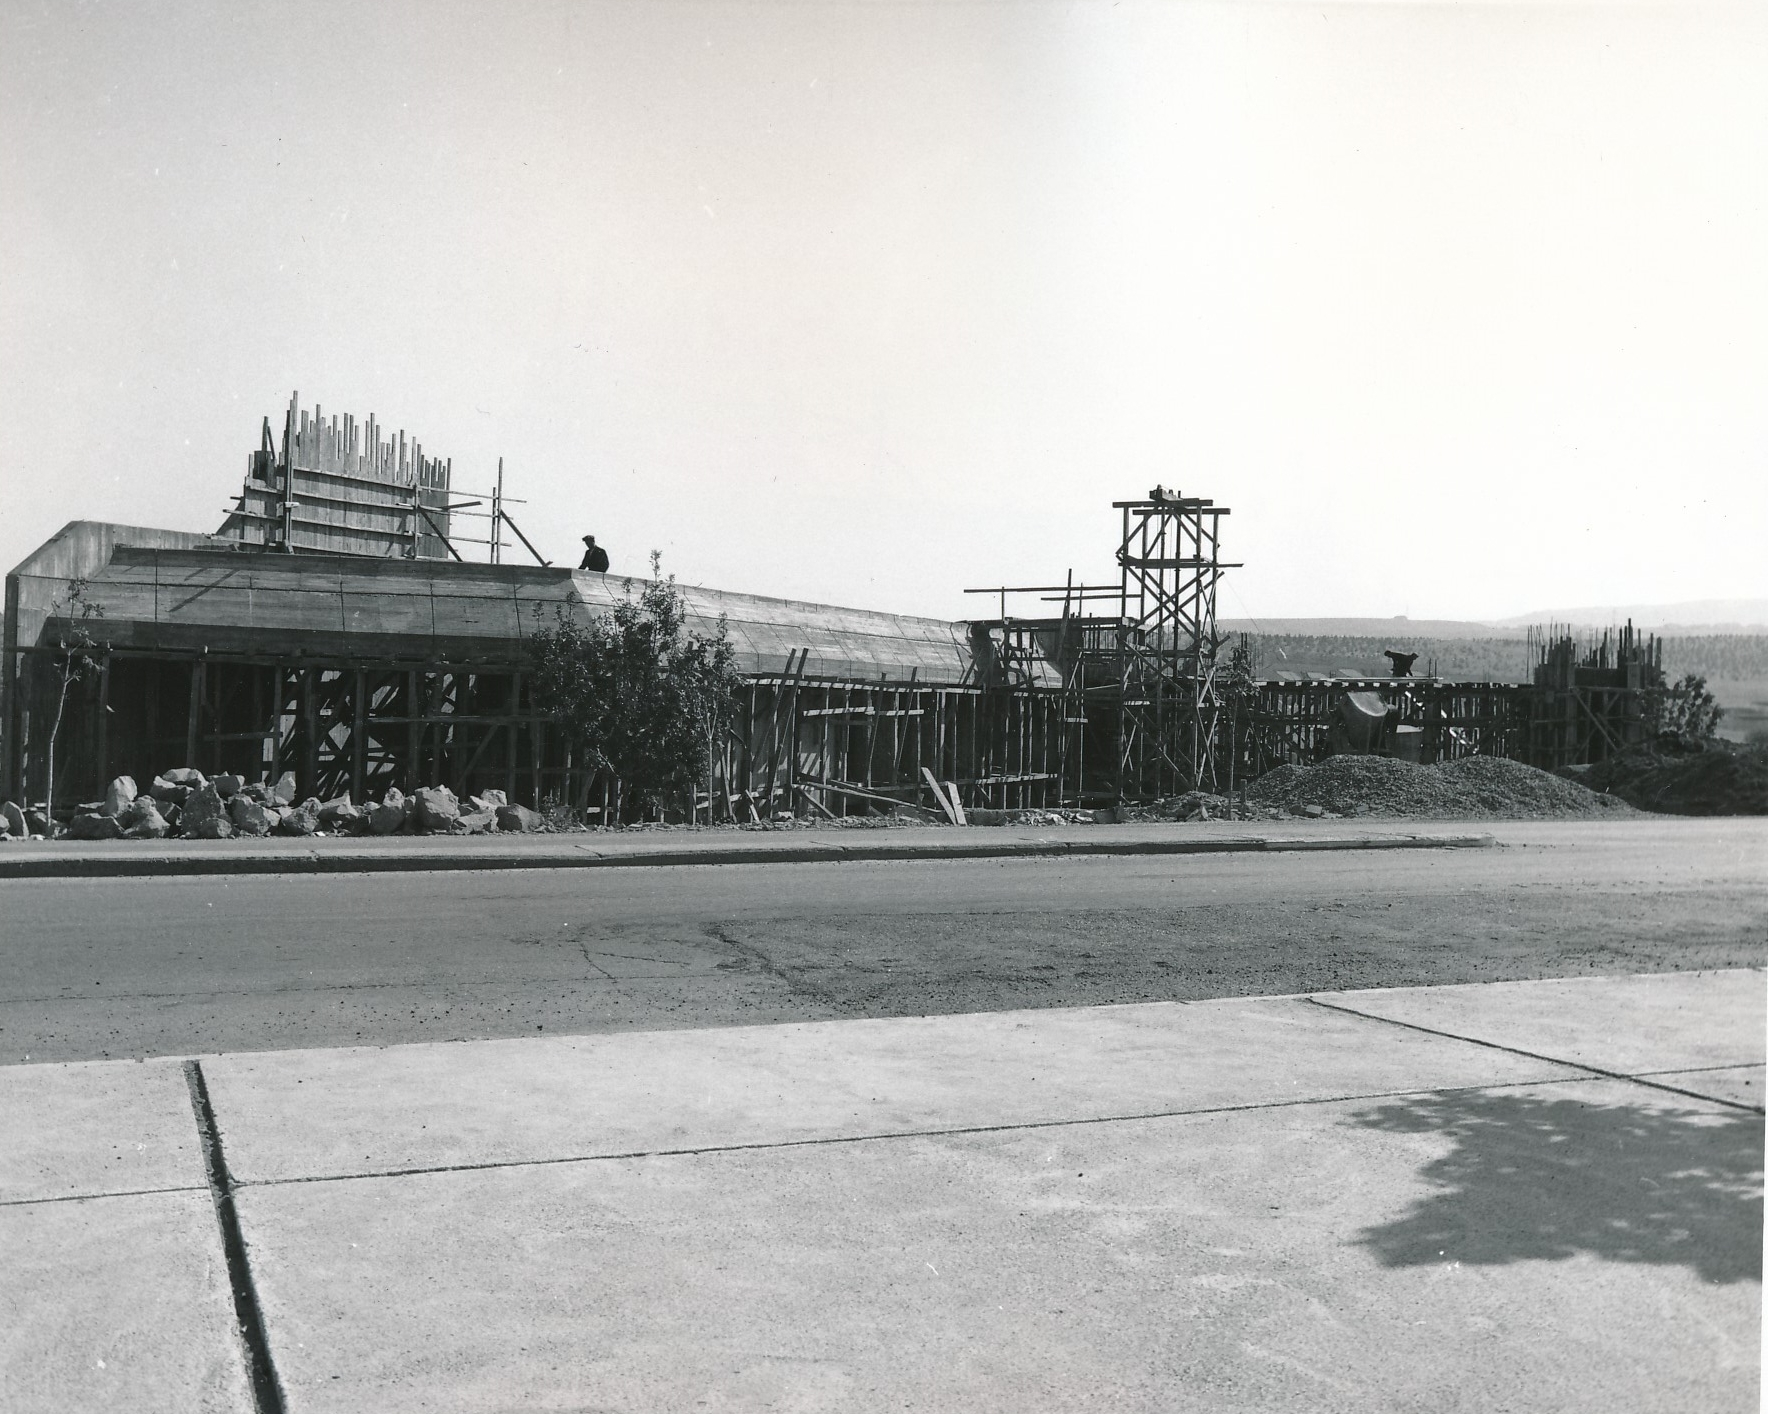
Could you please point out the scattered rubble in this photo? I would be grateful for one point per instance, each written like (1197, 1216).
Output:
(186, 804)
(183, 803)
(302, 819)
(389, 815)
(94, 825)
(435, 810)
(339, 815)
(205, 815)
(142, 820)
(119, 796)
(519, 819)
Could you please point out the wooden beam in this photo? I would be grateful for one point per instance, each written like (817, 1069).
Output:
(945, 805)
(196, 702)
(104, 776)
(853, 792)
(359, 738)
(310, 718)
(804, 790)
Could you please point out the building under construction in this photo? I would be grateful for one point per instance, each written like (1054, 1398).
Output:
(341, 624)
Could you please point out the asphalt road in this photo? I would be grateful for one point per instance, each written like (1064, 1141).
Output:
(141, 967)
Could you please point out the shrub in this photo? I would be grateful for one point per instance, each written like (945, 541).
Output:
(79, 663)
(1684, 709)
(637, 693)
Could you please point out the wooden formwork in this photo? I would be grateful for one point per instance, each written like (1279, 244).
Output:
(340, 486)
(1292, 722)
(801, 742)
(797, 743)
(845, 747)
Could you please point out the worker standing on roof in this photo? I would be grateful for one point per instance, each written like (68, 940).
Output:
(594, 557)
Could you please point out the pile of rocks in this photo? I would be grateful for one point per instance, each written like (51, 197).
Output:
(189, 805)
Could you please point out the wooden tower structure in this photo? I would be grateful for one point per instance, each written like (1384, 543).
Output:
(1169, 709)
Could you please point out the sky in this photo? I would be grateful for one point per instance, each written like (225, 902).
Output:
(1462, 308)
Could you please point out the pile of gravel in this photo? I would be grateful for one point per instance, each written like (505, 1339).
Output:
(1473, 787)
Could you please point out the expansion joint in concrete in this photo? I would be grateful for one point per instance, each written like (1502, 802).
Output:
(1593, 1071)
(267, 1396)
(98, 1197)
(896, 1135)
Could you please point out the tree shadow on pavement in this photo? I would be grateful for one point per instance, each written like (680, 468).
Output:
(1537, 1177)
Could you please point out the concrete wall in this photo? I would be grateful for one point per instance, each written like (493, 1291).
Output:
(38, 586)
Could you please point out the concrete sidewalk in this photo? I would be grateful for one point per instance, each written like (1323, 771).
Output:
(38, 859)
(1532, 1195)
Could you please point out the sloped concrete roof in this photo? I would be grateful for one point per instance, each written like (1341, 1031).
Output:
(177, 592)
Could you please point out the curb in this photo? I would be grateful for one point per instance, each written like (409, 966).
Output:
(99, 866)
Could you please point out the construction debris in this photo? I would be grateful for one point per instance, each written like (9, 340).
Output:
(183, 803)
(1475, 787)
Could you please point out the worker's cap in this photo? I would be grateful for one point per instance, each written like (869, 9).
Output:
(589, 540)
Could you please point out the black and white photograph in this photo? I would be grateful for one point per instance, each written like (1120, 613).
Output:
(883, 705)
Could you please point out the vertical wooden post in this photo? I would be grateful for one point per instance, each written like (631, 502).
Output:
(359, 739)
(104, 670)
(153, 754)
(938, 762)
(276, 704)
(509, 775)
(310, 717)
(828, 701)
(196, 706)
(413, 732)
(288, 474)
(1233, 752)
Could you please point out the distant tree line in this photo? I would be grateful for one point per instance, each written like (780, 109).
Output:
(1717, 657)
(1730, 657)
(1469, 659)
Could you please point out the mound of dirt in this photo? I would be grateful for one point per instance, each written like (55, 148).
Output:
(1688, 778)
(1475, 787)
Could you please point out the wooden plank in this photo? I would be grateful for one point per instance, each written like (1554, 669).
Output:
(785, 702)
(854, 792)
(310, 717)
(509, 776)
(804, 789)
(104, 713)
(945, 805)
(359, 738)
(196, 700)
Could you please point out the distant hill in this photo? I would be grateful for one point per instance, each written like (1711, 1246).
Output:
(1706, 615)
(1398, 631)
